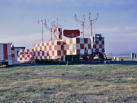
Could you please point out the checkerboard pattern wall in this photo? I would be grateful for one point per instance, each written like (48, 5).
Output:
(26, 55)
(49, 50)
(97, 43)
(77, 46)
(58, 49)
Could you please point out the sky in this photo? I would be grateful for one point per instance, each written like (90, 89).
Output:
(117, 21)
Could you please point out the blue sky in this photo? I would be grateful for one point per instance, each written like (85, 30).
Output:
(117, 21)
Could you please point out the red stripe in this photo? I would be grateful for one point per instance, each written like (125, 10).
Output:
(5, 51)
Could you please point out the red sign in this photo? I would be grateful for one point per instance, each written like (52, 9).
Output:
(71, 33)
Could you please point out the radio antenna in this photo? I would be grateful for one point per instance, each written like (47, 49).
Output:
(42, 22)
(81, 22)
(91, 21)
(50, 28)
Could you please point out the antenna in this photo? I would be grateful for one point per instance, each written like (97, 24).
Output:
(91, 21)
(57, 22)
(42, 22)
(81, 22)
(57, 30)
(51, 28)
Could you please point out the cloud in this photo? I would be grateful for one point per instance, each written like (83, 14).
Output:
(116, 29)
(131, 28)
(121, 43)
(25, 40)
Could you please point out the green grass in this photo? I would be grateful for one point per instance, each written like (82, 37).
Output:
(69, 84)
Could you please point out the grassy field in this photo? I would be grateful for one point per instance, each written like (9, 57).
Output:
(69, 84)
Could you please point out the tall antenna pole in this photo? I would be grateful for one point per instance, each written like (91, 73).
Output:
(81, 22)
(51, 28)
(83, 25)
(57, 25)
(42, 32)
(91, 21)
(42, 22)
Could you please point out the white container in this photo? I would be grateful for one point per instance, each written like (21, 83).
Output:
(5, 53)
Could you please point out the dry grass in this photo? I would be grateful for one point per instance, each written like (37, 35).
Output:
(69, 84)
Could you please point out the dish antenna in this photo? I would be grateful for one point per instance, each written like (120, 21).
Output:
(91, 21)
(81, 22)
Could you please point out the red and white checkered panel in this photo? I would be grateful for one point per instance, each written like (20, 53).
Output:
(70, 46)
(49, 50)
(58, 33)
(97, 43)
(26, 55)
(77, 46)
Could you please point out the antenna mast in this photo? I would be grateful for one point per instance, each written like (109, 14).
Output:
(57, 25)
(81, 22)
(42, 22)
(91, 21)
(51, 28)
